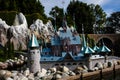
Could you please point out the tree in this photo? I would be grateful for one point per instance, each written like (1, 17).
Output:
(12, 5)
(83, 15)
(4, 4)
(57, 16)
(27, 7)
(99, 15)
(114, 21)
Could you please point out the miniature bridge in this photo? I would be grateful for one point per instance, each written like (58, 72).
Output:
(111, 40)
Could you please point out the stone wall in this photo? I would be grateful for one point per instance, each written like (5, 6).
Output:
(107, 74)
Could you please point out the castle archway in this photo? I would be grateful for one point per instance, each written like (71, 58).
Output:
(107, 42)
(117, 48)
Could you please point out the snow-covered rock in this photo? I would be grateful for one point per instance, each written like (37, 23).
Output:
(9, 78)
(42, 30)
(17, 33)
(26, 72)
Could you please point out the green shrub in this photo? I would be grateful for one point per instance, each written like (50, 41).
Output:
(8, 16)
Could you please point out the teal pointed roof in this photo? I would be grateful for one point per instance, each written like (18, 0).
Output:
(33, 42)
(88, 50)
(96, 48)
(83, 44)
(104, 49)
(85, 48)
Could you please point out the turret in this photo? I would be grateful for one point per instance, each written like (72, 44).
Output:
(34, 55)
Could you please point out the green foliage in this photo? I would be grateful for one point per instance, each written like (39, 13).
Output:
(57, 14)
(8, 16)
(114, 21)
(32, 9)
(24, 6)
(32, 17)
(91, 41)
(2, 55)
(7, 52)
(84, 14)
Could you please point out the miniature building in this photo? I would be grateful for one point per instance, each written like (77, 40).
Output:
(65, 48)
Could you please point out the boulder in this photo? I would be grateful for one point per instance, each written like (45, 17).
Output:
(64, 74)
(16, 77)
(53, 70)
(8, 74)
(57, 76)
(50, 77)
(59, 72)
(43, 72)
(37, 78)
(23, 78)
(3, 65)
(2, 72)
(95, 68)
(84, 67)
(84, 71)
(65, 69)
(48, 72)
(9, 78)
(71, 73)
(21, 57)
(38, 74)
(59, 68)
(26, 72)
(31, 76)
(79, 68)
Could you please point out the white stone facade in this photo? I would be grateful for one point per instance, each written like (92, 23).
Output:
(34, 60)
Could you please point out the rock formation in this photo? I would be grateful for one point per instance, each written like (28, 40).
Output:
(19, 33)
(16, 33)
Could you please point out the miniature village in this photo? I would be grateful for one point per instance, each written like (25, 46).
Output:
(67, 54)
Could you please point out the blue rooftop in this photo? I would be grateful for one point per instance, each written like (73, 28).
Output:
(53, 58)
(46, 50)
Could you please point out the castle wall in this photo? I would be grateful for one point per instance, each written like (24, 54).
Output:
(34, 60)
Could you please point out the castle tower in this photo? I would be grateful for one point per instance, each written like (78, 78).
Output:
(34, 55)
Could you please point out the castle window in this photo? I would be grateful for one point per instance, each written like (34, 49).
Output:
(80, 63)
(74, 63)
(62, 64)
(37, 51)
(56, 64)
(33, 52)
(68, 64)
